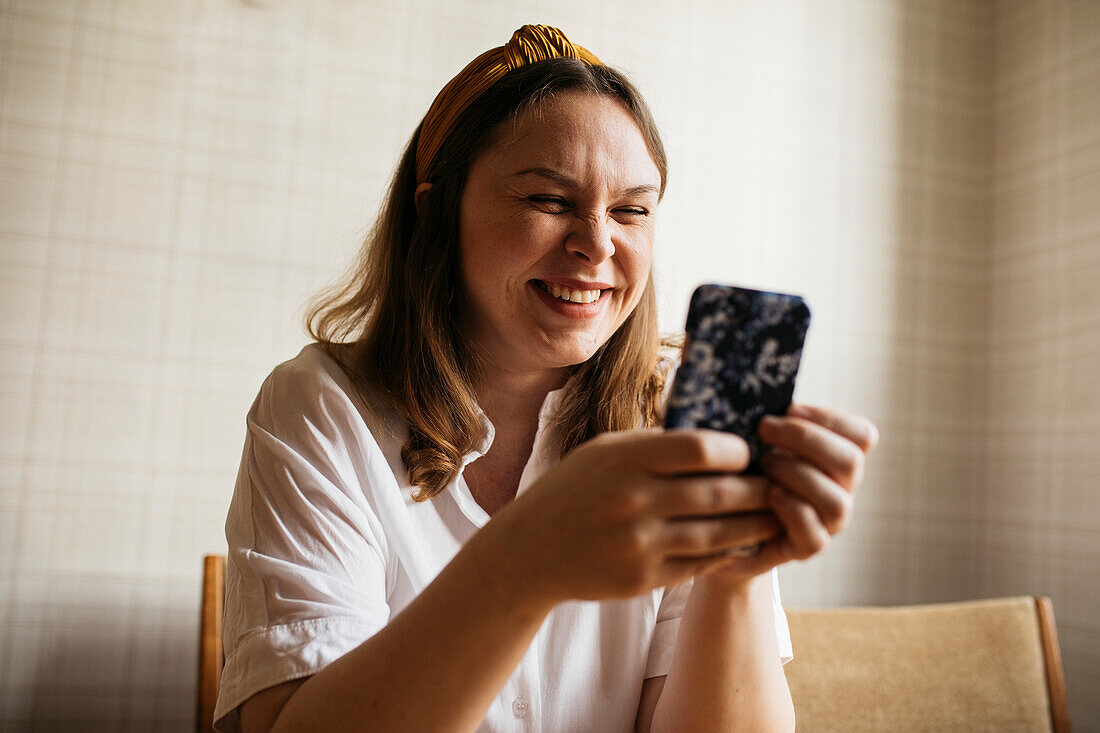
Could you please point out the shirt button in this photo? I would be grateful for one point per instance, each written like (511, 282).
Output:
(520, 707)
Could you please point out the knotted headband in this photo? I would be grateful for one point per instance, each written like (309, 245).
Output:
(529, 44)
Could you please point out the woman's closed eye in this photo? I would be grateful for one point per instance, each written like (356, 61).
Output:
(550, 204)
(559, 205)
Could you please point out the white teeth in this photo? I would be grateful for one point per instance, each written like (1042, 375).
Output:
(574, 296)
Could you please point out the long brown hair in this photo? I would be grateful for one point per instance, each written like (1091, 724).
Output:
(396, 311)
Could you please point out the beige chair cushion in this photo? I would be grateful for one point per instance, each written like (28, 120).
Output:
(973, 666)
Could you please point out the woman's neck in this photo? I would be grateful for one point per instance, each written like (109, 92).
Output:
(512, 400)
(512, 403)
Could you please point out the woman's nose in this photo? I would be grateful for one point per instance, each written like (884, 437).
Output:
(591, 239)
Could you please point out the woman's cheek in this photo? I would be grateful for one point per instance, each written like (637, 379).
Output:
(635, 256)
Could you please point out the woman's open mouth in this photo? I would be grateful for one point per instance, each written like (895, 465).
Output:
(570, 294)
(572, 302)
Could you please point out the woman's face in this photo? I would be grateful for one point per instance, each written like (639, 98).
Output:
(556, 233)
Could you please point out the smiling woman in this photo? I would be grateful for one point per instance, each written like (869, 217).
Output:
(520, 162)
(556, 234)
(446, 515)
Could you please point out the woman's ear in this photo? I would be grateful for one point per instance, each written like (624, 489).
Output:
(419, 194)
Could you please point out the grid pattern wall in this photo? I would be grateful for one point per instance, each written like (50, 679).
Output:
(1042, 528)
(177, 178)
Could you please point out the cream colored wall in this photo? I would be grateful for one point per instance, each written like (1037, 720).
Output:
(1041, 510)
(176, 178)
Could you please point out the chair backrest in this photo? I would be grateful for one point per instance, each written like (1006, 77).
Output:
(211, 657)
(989, 665)
(974, 666)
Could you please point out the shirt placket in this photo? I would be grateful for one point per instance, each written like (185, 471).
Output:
(521, 696)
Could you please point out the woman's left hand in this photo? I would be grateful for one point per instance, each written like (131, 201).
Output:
(816, 463)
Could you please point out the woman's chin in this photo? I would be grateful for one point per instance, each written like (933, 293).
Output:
(540, 346)
(573, 352)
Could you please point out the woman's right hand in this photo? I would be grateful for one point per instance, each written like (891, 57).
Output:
(628, 512)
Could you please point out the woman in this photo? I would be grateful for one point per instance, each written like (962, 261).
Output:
(445, 518)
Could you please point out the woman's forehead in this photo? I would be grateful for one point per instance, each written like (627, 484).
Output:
(573, 133)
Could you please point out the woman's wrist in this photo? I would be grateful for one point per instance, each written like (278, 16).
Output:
(732, 589)
(507, 572)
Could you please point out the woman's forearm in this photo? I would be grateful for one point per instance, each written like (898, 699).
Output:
(437, 665)
(726, 674)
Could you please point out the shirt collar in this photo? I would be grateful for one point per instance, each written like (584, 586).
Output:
(549, 409)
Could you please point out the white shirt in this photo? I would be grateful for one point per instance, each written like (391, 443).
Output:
(326, 545)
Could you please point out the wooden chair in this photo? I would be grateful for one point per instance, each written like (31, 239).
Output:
(211, 657)
(974, 666)
(989, 665)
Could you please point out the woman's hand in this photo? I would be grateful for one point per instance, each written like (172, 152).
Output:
(628, 512)
(815, 464)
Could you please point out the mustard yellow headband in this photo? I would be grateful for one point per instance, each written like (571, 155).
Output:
(529, 44)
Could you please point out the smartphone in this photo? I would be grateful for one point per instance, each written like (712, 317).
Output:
(739, 362)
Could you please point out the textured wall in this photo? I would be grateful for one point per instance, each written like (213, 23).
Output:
(1041, 515)
(176, 178)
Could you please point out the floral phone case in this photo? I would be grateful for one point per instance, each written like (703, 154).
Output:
(739, 363)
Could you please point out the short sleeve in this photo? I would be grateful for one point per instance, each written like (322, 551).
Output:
(782, 631)
(673, 601)
(670, 612)
(306, 569)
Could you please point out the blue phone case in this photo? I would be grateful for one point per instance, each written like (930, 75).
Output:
(739, 363)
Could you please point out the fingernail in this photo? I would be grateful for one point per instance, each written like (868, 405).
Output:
(769, 421)
(798, 411)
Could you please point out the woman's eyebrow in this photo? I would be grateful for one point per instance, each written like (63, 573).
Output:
(549, 174)
(642, 190)
(564, 180)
